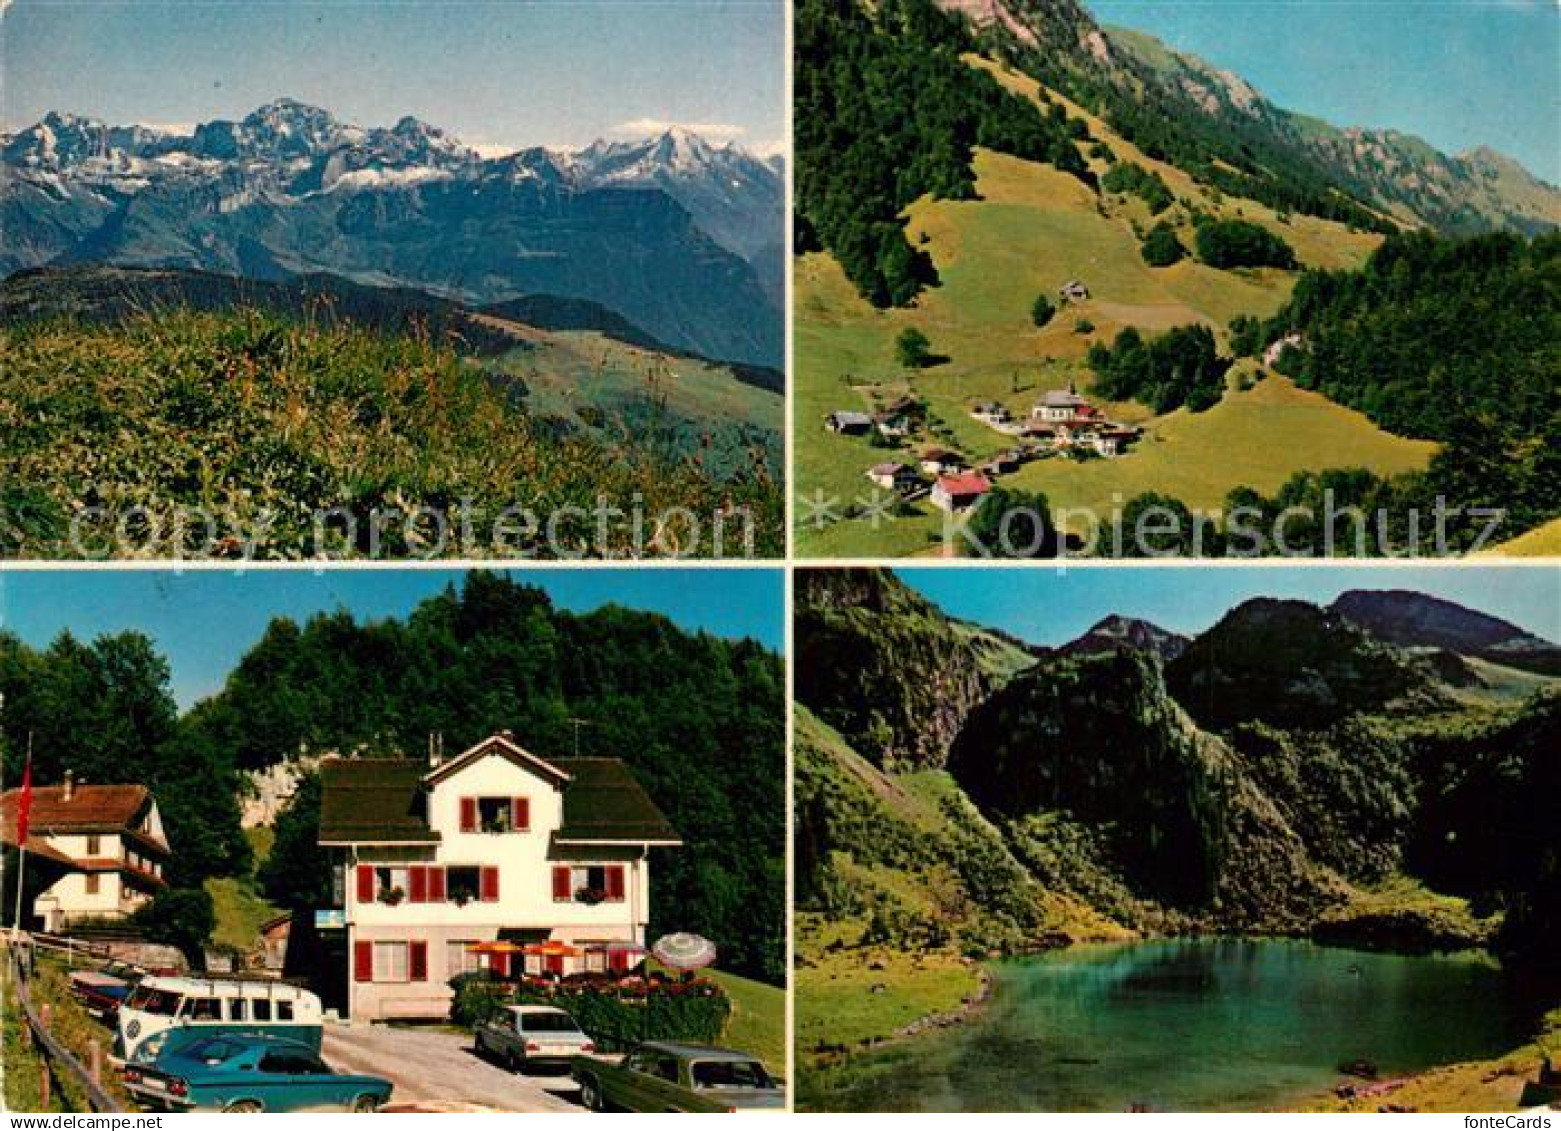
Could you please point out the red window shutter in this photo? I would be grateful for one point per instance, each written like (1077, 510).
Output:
(561, 884)
(490, 885)
(468, 814)
(500, 966)
(363, 961)
(419, 883)
(417, 960)
(615, 882)
(521, 816)
(617, 961)
(436, 888)
(555, 964)
(365, 883)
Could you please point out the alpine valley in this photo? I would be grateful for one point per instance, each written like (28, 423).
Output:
(1001, 201)
(1179, 829)
(290, 314)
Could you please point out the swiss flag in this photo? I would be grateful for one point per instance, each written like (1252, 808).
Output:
(24, 805)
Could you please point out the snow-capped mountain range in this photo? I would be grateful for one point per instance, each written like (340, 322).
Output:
(291, 188)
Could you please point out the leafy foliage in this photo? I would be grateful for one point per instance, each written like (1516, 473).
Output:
(1162, 246)
(912, 349)
(1015, 524)
(265, 423)
(1449, 340)
(1149, 187)
(1042, 310)
(104, 711)
(1241, 243)
(886, 112)
(181, 917)
(297, 872)
(1181, 367)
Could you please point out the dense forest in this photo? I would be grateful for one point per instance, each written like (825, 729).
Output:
(1457, 341)
(700, 720)
(886, 112)
(1241, 243)
(1180, 367)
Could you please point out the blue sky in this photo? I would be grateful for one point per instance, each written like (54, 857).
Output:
(1053, 606)
(494, 72)
(204, 621)
(1458, 73)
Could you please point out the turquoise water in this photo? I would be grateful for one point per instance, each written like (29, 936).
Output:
(1187, 1025)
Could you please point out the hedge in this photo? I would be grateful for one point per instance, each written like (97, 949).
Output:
(614, 1014)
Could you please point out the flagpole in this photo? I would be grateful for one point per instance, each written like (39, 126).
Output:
(21, 856)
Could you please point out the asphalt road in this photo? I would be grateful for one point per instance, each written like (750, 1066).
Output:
(440, 1070)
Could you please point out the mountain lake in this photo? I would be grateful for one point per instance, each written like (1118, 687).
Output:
(1187, 1025)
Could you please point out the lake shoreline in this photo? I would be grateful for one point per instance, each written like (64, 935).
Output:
(1419, 1089)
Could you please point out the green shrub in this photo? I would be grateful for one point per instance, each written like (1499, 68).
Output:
(478, 997)
(1042, 310)
(1161, 247)
(1241, 243)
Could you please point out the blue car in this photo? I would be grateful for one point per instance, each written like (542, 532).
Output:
(236, 1072)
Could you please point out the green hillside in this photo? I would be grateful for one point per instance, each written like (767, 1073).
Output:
(1110, 796)
(1031, 229)
(266, 421)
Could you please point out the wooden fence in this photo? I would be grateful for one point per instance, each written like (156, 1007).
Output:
(54, 1058)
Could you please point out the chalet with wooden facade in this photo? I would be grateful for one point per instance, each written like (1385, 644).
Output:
(93, 851)
(494, 846)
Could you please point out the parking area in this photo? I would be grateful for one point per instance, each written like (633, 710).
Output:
(440, 1070)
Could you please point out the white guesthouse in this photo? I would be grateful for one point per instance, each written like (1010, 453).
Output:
(495, 844)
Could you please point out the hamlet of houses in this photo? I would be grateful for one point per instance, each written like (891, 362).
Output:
(1061, 422)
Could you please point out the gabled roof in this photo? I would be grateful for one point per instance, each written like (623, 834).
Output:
(384, 801)
(851, 418)
(91, 809)
(506, 747)
(1062, 398)
(605, 803)
(968, 483)
(890, 469)
(373, 801)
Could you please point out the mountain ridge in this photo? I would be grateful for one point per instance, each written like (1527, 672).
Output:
(1386, 169)
(658, 231)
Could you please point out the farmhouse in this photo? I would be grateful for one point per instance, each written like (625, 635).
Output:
(892, 425)
(990, 412)
(494, 846)
(894, 477)
(1073, 291)
(848, 423)
(959, 492)
(1110, 441)
(93, 851)
(937, 461)
(1063, 405)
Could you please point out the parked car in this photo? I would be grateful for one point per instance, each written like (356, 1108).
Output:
(237, 1072)
(526, 1036)
(102, 991)
(671, 1076)
(214, 1006)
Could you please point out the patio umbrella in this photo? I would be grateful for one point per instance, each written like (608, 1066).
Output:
(684, 951)
(551, 949)
(495, 946)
